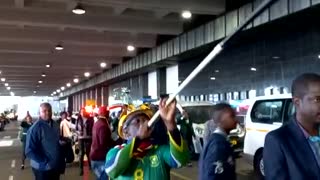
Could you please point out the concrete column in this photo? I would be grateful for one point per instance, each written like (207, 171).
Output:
(91, 94)
(104, 95)
(153, 85)
(70, 104)
(83, 97)
(98, 95)
(161, 81)
(172, 80)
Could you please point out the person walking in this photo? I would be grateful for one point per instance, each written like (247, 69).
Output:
(293, 151)
(141, 158)
(102, 142)
(84, 128)
(25, 126)
(217, 161)
(43, 146)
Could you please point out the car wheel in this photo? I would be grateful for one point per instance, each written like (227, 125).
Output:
(259, 165)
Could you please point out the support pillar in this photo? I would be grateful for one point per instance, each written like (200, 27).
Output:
(98, 95)
(104, 96)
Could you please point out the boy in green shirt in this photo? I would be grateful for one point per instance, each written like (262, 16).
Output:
(140, 158)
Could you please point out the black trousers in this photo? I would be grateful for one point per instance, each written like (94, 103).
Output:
(84, 146)
(46, 175)
(23, 154)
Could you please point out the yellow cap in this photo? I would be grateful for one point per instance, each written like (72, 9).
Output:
(131, 111)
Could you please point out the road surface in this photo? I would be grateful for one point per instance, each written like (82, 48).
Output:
(10, 161)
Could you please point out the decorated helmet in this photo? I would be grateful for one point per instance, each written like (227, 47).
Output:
(130, 111)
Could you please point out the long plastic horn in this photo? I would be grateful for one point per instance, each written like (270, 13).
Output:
(216, 50)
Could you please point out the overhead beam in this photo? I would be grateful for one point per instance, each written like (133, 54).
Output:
(69, 49)
(42, 59)
(77, 37)
(31, 17)
(19, 3)
(212, 7)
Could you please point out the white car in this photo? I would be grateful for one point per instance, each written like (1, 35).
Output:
(265, 113)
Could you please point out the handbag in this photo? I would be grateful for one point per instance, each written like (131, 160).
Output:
(66, 144)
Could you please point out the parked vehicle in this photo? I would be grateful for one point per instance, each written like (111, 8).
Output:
(199, 113)
(265, 114)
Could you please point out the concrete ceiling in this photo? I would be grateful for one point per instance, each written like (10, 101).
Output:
(30, 30)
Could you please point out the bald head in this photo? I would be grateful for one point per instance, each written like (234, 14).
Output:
(45, 111)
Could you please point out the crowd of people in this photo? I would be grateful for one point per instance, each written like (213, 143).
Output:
(143, 152)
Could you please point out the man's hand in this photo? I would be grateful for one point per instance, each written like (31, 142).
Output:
(144, 131)
(168, 113)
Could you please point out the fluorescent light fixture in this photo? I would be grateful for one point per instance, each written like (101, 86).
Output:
(253, 69)
(8, 88)
(68, 84)
(130, 48)
(87, 74)
(79, 10)
(59, 47)
(103, 65)
(3, 79)
(62, 88)
(75, 80)
(48, 66)
(58, 90)
(213, 78)
(12, 93)
(186, 14)
(40, 82)
(6, 84)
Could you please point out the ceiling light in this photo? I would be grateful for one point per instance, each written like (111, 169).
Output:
(86, 74)
(253, 69)
(38, 86)
(3, 79)
(0, 72)
(79, 10)
(75, 80)
(275, 57)
(48, 66)
(54, 93)
(68, 84)
(216, 71)
(58, 90)
(40, 82)
(130, 48)
(12, 93)
(103, 65)
(319, 56)
(43, 75)
(62, 88)
(8, 88)
(59, 47)
(212, 78)
(6, 84)
(186, 14)
(34, 92)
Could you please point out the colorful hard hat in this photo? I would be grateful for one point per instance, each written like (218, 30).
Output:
(130, 112)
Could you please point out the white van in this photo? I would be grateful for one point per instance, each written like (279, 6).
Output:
(266, 113)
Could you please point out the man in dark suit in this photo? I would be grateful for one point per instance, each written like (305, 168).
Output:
(293, 151)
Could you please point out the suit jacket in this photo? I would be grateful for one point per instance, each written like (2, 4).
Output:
(287, 155)
(217, 160)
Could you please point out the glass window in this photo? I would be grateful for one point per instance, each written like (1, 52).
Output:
(267, 112)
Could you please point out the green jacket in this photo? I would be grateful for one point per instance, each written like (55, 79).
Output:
(155, 164)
